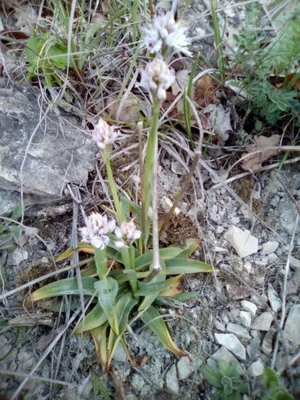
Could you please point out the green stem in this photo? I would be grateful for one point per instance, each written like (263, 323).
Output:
(148, 170)
(113, 187)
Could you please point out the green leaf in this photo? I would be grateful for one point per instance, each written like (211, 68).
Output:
(186, 266)
(107, 290)
(101, 263)
(17, 213)
(146, 289)
(123, 309)
(213, 375)
(64, 287)
(94, 319)
(186, 296)
(271, 379)
(164, 254)
(57, 55)
(155, 322)
(99, 335)
(32, 49)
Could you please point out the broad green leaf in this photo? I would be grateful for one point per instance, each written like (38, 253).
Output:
(113, 341)
(123, 309)
(33, 48)
(155, 322)
(64, 287)
(17, 213)
(189, 248)
(213, 375)
(101, 263)
(132, 279)
(164, 254)
(107, 290)
(152, 296)
(111, 253)
(66, 254)
(186, 266)
(57, 55)
(146, 289)
(94, 319)
(90, 269)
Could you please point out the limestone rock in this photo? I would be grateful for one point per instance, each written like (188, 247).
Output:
(256, 369)
(248, 306)
(224, 354)
(292, 325)
(274, 299)
(184, 368)
(172, 380)
(269, 247)
(232, 343)
(245, 318)
(238, 330)
(263, 322)
(50, 152)
(253, 348)
(243, 242)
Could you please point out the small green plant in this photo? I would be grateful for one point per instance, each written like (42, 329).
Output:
(130, 274)
(275, 390)
(269, 60)
(226, 379)
(9, 231)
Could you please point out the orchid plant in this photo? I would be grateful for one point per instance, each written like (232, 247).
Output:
(129, 272)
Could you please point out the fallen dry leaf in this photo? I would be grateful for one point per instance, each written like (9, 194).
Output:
(219, 120)
(255, 158)
(181, 81)
(204, 92)
(130, 111)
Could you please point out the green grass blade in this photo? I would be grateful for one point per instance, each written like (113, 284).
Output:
(107, 290)
(65, 287)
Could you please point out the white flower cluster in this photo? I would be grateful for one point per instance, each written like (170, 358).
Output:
(97, 229)
(99, 226)
(166, 33)
(104, 134)
(127, 233)
(157, 78)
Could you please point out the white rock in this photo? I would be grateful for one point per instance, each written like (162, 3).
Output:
(267, 343)
(294, 262)
(248, 267)
(272, 257)
(120, 355)
(238, 330)
(172, 380)
(248, 306)
(219, 325)
(263, 322)
(256, 369)
(232, 343)
(19, 255)
(184, 368)
(224, 354)
(243, 242)
(292, 325)
(269, 247)
(253, 348)
(245, 318)
(274, 299)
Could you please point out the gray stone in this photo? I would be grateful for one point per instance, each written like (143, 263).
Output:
(120, 355)
(294, 262)
(232, 343)
(243, 242)
(269, 247)
(253, 348)
(224, 354)
(274, 299)
(256, 369)
(267, 343)
(263, 322)
(245, 318)
(184, 368)
(248, 306)
(248, 267)
(292, 325)
(238, 330)
(51, 152)
(172, 380)
(19, 255)
(219, 325)
(237, 292)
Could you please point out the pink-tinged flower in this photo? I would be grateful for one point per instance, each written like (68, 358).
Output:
(127, 234)
(96, 230)
(166, 33)
(156, 78)
(104, 134)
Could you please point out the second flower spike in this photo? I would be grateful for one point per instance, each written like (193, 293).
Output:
(156, 78)
(104, 134)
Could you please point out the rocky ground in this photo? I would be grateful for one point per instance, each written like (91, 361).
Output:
(248, 230)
